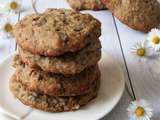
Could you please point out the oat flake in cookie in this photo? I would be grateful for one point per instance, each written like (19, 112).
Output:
(56, 31)
(70, 63)
(86, 4)
(51, 103)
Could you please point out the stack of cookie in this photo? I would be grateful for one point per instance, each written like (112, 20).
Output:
(56, 67)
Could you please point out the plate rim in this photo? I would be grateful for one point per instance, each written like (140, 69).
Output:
(123, 80)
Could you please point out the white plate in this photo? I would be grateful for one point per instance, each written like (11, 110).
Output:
(112, 87)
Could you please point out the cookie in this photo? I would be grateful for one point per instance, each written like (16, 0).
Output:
(142, 15)
(56, 84)
(86, 4)
(51, 103)
(70, 63)
(56, 32)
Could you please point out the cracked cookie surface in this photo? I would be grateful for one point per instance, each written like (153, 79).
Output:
(142, 15)
(56, 31)
(51, 103)
(70, 63)
(86, 4)
(56, 84)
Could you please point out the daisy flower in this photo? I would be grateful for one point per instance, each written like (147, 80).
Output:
(153, 39)
(141, 51)
(139, 110)
(14, 6)
(6, 27)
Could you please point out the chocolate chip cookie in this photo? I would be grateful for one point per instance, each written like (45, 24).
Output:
(56, 31)
(86, 4)
(140, 15)
(70, 63)
(56, 84)
(51, 103)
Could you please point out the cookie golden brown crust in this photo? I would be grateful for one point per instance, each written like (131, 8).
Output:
(51, 103)
(56, 84)
(142, 15)
(70, 63)
(56, 31)
(86, 4)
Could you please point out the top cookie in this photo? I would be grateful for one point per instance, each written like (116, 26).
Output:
(56, 31)
(86, 4)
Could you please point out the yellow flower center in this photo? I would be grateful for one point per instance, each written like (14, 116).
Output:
(13, 5)
(141, 52)
(156, 40)
(139, 111)
(8, 27)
